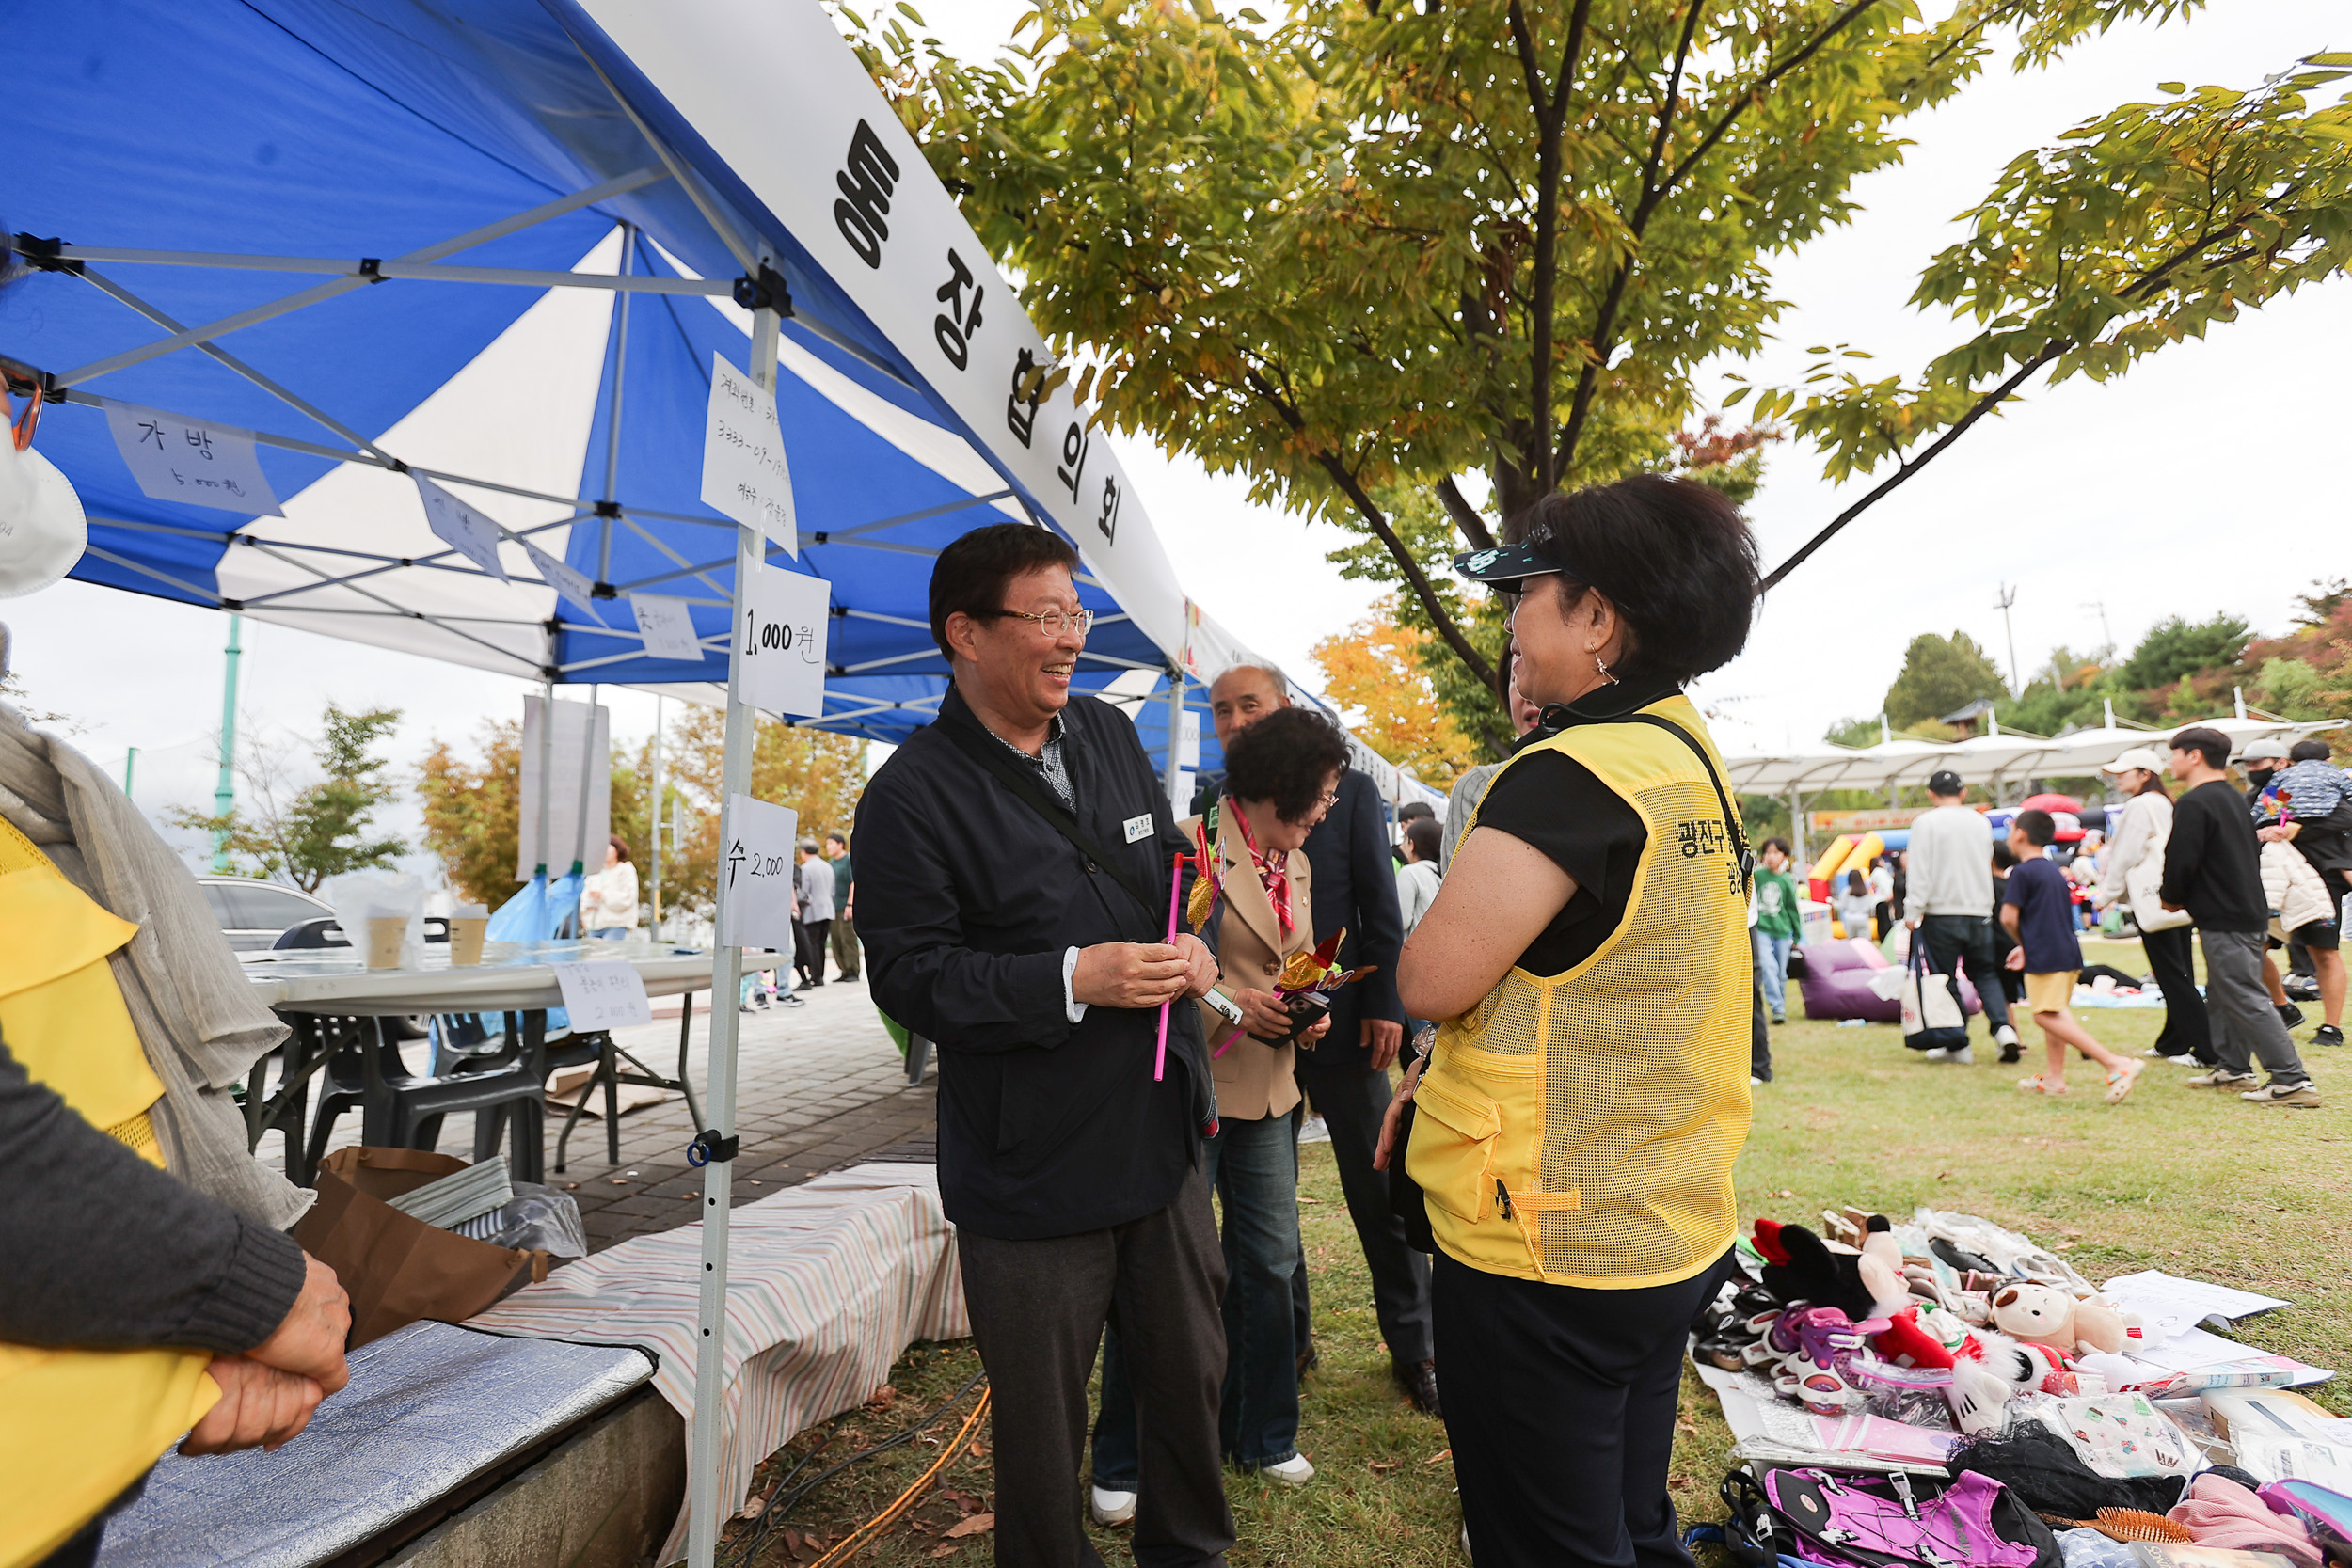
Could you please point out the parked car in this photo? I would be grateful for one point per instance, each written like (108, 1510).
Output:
(253, 912)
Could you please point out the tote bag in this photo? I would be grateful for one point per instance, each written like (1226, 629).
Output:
(1933, 1017)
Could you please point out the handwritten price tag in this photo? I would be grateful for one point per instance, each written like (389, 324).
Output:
(606, 993)
(178, 459)
(755, 875)
(566, 579)
(780, 630)
(744, 474)
(668, 627)
(461, 528)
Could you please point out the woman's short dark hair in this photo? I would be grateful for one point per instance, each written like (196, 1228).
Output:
(1287, 758)
(1423, 834)
(2004, 858)
(1779, 844)
(970, 574)
(1672, 555)
(2309, 749)
(2208, 743)
(620, 847)
(2039, 826)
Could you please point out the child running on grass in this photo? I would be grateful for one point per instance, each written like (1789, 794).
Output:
(2037, 908)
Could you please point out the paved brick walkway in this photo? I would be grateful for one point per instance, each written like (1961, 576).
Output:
(818, 1087)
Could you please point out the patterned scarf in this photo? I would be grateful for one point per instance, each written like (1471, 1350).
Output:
(1273, 870)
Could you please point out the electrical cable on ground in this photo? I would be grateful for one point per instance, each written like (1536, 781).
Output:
(873, 1528)
(780, 1502)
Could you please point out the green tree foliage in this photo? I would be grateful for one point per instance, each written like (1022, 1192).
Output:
(1941, 675)
(306, 835)
(1373, 249)
(2173, 648)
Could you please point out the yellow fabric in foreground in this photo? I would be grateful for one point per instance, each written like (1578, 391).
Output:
(77, 1426)
(1579, 1129)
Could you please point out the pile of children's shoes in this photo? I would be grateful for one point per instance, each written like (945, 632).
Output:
(2035, 1439)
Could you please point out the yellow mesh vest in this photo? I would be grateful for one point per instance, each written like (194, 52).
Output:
(77, 1426)
(1581, 1129)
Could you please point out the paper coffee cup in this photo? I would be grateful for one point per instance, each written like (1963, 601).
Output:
(384, 934)
(464, 937)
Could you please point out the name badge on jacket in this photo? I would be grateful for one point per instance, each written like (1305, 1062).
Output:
(1138, 827)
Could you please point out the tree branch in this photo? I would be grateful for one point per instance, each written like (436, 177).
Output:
(1551, 117)
(1465, 516)
(1984, 405)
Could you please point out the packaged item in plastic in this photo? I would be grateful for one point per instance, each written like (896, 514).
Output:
(539, 1217)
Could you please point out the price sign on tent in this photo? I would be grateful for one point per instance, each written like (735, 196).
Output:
(461, 528)
(780, 630)
(179, 459)
(566, 579)
(755, 875)
(743, 470)
(607, 993)
(668, 627)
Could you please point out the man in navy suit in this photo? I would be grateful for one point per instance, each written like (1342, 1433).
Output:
(1346, 1077)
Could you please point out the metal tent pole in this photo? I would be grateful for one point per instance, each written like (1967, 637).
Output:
(129, 766)
(1175, 739)
(547, 764)
(702, 1466)
(580, 823)
(225, 791)
(653, 820)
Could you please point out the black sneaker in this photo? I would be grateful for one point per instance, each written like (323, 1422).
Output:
(2327, 1034)
(2290, 1015)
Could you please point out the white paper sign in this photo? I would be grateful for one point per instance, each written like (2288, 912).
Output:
(461, 528)
(667, 627)
(755, 875)
(607, 993)
(566, 579)
(743, 470)
(178, 459)
(781, 630)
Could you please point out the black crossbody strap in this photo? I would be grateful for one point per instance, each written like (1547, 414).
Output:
(990, 755)
(1722, 796)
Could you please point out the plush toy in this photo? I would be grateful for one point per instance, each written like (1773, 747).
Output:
(1799, 1266)
(1907, 1341)
(2043, 1315)
(1993, 1369)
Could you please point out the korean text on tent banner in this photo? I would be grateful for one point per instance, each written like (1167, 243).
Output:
(744, 474)
(782, 621)
(461, 528)
(178, 459)
(755, 872)
(668, 627)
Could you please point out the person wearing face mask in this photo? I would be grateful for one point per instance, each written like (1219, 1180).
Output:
(1587, 960)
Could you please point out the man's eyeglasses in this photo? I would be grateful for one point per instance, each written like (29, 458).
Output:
(1052, 622)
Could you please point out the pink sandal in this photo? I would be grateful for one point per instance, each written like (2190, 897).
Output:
(2035, 1086)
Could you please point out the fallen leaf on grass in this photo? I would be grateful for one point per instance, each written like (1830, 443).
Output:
(1311, 1200)
(752, 1505)
(1440, 1457)
(978, 1449)
(1383, 1465)
(950, 1549)
(975, 1525)
(884, 1397)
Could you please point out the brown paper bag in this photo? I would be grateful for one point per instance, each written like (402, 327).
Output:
(399, 1269)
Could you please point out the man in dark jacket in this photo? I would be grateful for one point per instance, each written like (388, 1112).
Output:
(2213, 869)
(1034, 955)
(1346, 1077)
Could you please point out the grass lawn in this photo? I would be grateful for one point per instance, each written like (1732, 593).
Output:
(2176, 1179)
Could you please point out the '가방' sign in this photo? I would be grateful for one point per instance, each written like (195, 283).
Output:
(743, 468)
(780, 629)
(756, 874)
(178, 459)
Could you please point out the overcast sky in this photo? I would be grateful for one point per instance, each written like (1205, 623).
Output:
(2199, 484)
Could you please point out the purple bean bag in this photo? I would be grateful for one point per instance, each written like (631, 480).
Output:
(1836, 985)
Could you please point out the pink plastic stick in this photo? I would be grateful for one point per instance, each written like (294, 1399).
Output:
(1175, 880)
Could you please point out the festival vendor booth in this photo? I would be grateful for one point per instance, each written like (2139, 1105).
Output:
(587, 343)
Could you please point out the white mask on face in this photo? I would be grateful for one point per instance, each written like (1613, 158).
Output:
(42, 531)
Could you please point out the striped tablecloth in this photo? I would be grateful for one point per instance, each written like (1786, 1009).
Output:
(827, 1283)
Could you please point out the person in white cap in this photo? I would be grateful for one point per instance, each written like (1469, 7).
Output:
(2140, 830)
(1948, 901)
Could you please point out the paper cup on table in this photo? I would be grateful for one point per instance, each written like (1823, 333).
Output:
(384, 934)
(468, 925)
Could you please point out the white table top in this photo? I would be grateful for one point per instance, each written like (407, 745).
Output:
(511, 975)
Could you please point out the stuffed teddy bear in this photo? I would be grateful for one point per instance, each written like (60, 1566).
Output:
(2043, 1315)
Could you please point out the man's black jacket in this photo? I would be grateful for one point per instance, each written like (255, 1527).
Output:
(1355, 886)
(967, 900)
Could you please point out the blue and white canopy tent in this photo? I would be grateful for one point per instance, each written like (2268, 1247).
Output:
(518, 217)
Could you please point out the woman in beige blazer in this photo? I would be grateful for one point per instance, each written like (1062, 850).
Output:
(1282, 774)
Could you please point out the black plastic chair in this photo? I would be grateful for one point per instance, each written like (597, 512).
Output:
(602, 1049)
(404, 1110)
(320, 932)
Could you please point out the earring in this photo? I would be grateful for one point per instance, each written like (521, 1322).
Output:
(1602, 665)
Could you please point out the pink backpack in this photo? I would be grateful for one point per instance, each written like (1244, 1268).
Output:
(1873, 1521)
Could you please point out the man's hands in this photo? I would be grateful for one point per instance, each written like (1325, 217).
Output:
(1395, 1115)
(2016, 959)
(1201, 974)
(1384, 1038)
(309, 1342)
(1135, 973)
(260, 1406)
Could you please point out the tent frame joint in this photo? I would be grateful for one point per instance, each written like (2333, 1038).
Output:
(46, 255)
(764, 290)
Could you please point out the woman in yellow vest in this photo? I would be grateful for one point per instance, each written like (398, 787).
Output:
(1587, 960)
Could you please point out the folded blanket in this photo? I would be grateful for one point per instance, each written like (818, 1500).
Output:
(2218, 1511)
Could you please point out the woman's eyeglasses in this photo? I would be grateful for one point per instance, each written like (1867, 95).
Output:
(1052, 622)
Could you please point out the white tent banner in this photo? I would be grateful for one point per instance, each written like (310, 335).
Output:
(757, 868)
(668, 627)
(573, 584)
(175, 458)
(468, 532)
(782, 626)
(577, 793)
(744, 474)
(834, 165)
